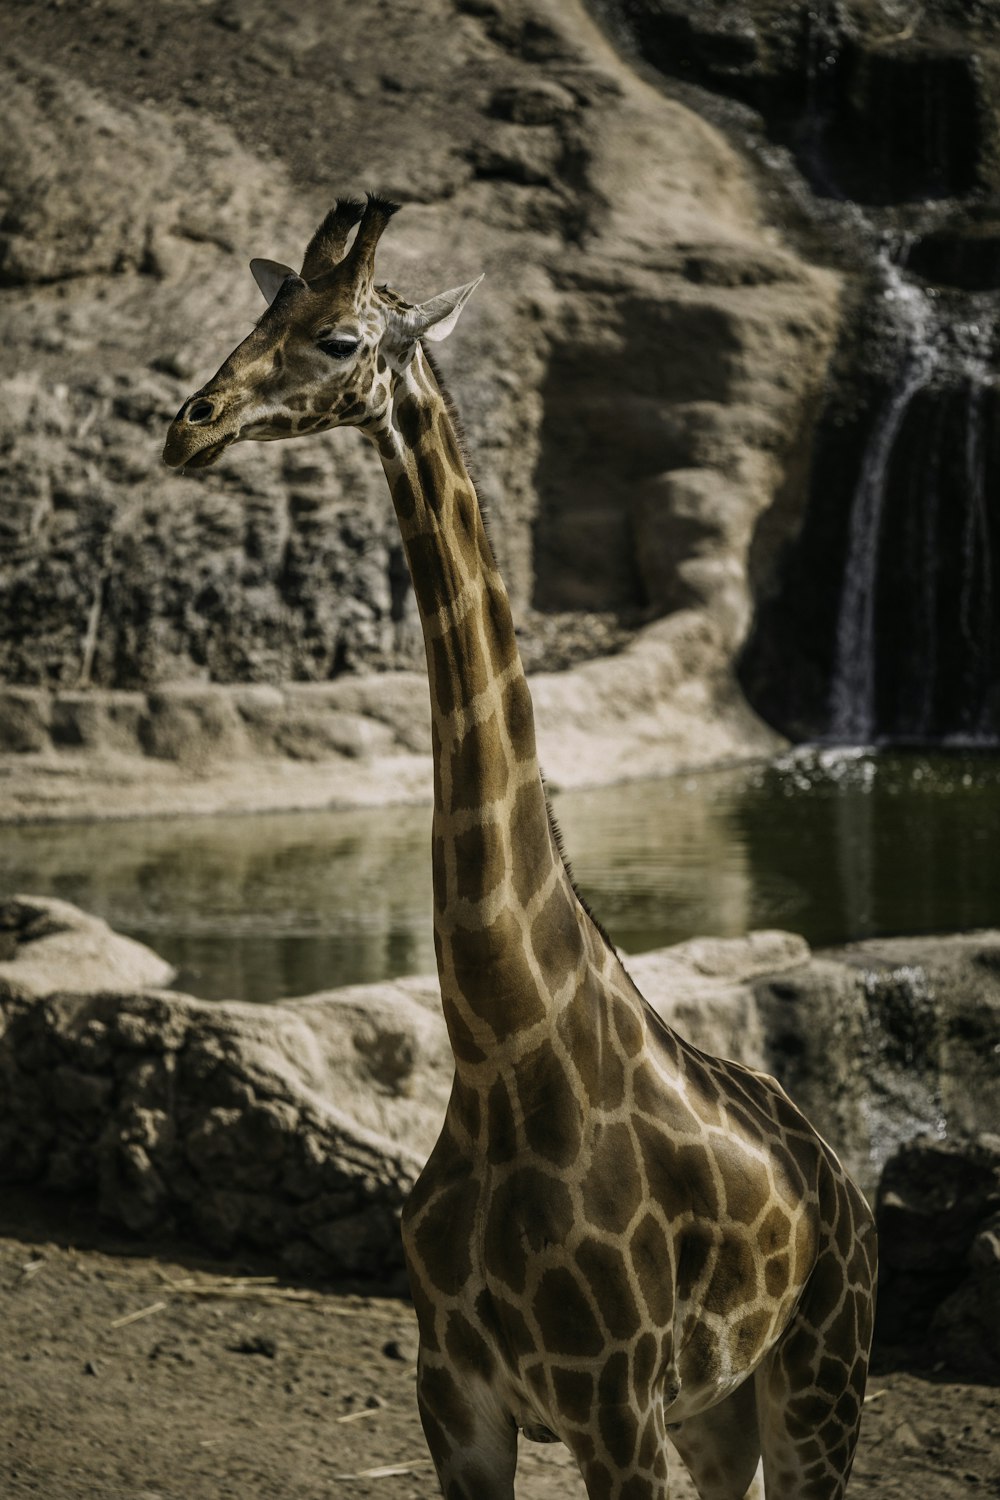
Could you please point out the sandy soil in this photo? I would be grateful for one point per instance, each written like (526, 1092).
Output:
(147, 1373)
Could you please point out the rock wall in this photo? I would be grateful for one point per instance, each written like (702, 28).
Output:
(638, 376)
(873, 124)
(299, 1127)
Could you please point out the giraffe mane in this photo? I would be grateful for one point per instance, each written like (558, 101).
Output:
(557, 835)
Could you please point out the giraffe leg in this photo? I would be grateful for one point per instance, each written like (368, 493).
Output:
(721, 1448)
(472, 1440)
(624, 1454)
(811, 1386)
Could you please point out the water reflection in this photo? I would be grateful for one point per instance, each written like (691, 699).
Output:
(251, 908)
(834, 845)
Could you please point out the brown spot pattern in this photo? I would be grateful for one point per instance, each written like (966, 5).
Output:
(564, 1316)
(667, 1185)
(430, 583)
(708, 1193)
(555, 934)
(404, 497)
(479, 860)
(553, 1129)
(501, 1129)
(734, 1275)
(533, 860)
(443, 1236)
(520, 719)
(643, 1362)
(604, 1267)
(442, 1399)
(413, 419)
(467, 1347)
(458, 671)
(492, 972)
(479, 771)
(432, 477)
(612, 1187)
(628, 1027)
(651, 1260)
(574, 1390)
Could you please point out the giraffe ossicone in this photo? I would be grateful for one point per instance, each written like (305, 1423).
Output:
(617, 1237)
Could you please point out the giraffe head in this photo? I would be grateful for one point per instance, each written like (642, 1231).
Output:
(326, 350)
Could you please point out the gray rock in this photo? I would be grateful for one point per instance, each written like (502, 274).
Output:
(25, 719)
(48, 946)
(939, 1235)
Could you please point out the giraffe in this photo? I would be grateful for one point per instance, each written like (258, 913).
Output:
(618, 1239)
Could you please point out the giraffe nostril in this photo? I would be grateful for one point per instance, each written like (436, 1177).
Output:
(201, 411)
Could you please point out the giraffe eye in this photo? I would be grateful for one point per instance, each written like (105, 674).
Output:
(338, 348)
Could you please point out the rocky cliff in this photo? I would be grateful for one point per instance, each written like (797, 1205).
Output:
(873, 125)
(638, 377)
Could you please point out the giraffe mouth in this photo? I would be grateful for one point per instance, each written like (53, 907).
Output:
(207, 455)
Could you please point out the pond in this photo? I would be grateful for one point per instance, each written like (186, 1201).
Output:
(835, 845)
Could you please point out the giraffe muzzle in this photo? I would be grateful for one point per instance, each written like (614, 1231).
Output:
(191, 442)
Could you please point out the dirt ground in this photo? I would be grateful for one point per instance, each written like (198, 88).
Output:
(145, 1372)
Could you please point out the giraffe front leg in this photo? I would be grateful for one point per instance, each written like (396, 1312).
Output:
(622, 1453)
(810, 1388)
(721, 1448)
(472, 1439)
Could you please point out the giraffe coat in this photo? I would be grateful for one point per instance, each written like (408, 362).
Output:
(617, 1237)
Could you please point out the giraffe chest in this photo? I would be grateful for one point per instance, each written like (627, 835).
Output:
(481, 1237)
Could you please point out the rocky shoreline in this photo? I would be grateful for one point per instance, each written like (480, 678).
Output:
(297, 1129)
(199, 747)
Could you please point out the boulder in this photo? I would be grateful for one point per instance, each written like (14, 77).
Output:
(881, 1040)
(297, 1128)
(224, 1120)
(48, 945)
(938, 1215)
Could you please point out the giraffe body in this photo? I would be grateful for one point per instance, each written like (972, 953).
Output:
(617, 1237)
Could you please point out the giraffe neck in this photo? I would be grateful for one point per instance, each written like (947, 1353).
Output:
(510, 934)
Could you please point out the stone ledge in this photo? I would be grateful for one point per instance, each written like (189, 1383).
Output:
(359, 741)
(200, 723)
(210, 1118)
(299, 1127)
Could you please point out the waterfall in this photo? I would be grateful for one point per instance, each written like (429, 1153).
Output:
(976, 600)
(852, 695)
(915, 649)
(877, 618)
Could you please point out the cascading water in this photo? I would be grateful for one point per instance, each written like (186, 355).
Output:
(903, 644)
(874, 124)
(976, 603)
(915, 628)
(852, 696)
(892, 645)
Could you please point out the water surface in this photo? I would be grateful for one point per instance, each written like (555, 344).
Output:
(834, 845)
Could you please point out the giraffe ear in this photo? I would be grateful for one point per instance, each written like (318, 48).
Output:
(435, 319)
(270, 275)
